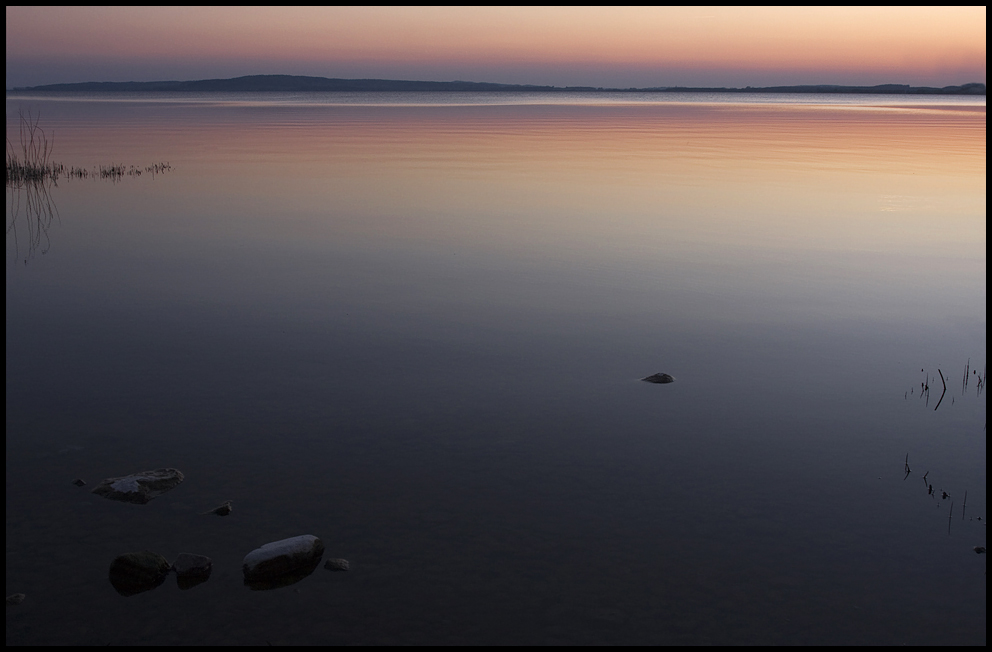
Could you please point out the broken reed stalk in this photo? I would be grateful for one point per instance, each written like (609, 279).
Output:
(943, 392)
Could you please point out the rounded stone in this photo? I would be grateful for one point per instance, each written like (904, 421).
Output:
(192, 569)
(135, 572)
(190, 565)
(282, 562)
(337, 565)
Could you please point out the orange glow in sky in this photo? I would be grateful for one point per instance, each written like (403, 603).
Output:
(597, 46)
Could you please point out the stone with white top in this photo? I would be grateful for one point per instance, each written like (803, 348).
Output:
(139, 488)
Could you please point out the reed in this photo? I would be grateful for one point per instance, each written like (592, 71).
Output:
(31, 163)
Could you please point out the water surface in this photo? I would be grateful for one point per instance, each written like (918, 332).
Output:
(415, 327)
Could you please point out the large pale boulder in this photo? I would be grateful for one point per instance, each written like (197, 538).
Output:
(281, 563)
(141, 487)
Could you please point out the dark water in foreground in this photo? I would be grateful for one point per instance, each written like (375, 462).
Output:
(416, 331)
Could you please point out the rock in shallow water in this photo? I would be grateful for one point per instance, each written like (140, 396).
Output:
(222, 510)
(190, 565)
(135, 572)
(141, 487)
(281, 563)
(192, 569)
(659, 378)
(337, 565)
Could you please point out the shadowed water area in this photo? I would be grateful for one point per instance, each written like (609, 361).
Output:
(416, 325)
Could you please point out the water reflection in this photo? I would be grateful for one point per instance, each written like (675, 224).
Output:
(284, 579)
(416, 331)
(32, 211)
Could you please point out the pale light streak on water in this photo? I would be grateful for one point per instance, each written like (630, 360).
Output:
(414, 327)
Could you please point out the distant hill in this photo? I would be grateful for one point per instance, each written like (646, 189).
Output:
(296, 83)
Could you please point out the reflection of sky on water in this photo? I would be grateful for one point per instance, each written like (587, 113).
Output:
(859, 102)
(440, 315)
(802, 203)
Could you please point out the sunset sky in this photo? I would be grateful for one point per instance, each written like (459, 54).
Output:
(613, 47)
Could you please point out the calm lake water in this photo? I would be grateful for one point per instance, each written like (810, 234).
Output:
(414, 326)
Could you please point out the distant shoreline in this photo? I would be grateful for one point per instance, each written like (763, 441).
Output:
(296, 83)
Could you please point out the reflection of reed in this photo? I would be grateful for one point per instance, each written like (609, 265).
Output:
(30, 174)
(32, 208)
(31, 203)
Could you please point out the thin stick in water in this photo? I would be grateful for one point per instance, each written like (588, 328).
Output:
(943, 392)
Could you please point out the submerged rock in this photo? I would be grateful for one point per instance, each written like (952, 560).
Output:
(192, 569)
(222, 510)
(135, 572)
(141, 487)
(79, 482)
(282, 563)
(15, 599)
(337, 565)
(659, 378)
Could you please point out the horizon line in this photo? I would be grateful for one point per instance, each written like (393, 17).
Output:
(971, 88)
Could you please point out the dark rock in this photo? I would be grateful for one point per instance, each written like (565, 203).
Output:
(659, 378)
(189, 565)
(337, 565)
(79, 482)
(192, 569)
(222, 510)
(282, 563)
(141, 487)
(134, 572)
(15, 599)
(980, 550)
